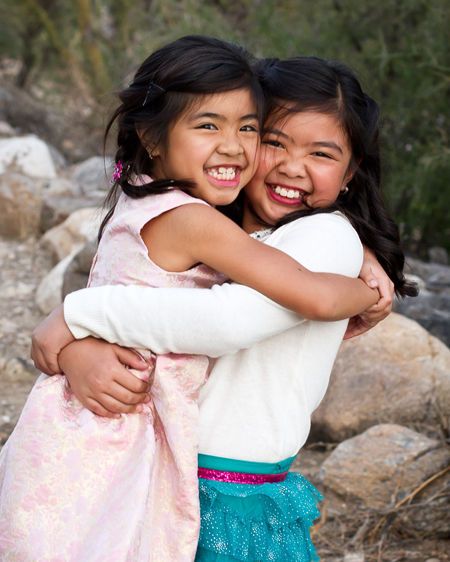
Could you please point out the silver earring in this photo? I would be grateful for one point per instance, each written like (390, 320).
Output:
(345, 190)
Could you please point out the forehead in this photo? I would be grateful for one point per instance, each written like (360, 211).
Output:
(235, 102)
(304, 125)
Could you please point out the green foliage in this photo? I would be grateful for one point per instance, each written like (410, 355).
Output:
(398, 47)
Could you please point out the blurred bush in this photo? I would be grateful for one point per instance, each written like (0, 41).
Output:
(399, 48)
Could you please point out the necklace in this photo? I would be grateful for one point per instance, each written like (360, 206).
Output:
(261, 234)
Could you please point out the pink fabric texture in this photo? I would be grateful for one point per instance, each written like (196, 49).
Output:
(240, 477)
(76, 487)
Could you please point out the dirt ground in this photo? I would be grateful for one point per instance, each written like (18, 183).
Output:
(344, 533)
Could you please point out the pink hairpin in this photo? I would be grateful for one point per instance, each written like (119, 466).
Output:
(118, 171)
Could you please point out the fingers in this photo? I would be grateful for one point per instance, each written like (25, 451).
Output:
(47, 364)
(122, 376)
(125, 396)
(114, 406)
(99, 410)
(130, 358)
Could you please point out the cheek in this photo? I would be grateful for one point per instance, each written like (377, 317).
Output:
(267, 162)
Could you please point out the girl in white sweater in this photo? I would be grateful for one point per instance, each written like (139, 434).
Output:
(321, 162)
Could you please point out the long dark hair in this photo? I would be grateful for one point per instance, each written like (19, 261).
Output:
(314, 84)
(166, 84)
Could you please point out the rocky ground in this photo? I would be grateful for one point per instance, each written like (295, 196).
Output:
(23, 265)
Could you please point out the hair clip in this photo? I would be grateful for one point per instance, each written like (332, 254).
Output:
(153, 91)
(118, 171)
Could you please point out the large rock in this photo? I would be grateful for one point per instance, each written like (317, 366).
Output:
(76, 274)
(62, 128)
(384, 465)
(49, 292)
(20, 204)
(92, 176)
(396, 372)
(56, 209)
(71, 235)
(6, 130)
(430, 309)
(27, 155)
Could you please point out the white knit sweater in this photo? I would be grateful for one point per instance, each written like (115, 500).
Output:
(274, 366)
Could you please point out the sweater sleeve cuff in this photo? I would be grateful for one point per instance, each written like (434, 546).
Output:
(79, 305)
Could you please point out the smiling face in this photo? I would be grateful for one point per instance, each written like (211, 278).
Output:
(305, 158)
(215, 144)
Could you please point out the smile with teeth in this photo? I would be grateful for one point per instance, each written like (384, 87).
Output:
(222, 173)
(289, 193)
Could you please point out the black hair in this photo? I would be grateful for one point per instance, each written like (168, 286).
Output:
(165, 85)
(314, 84)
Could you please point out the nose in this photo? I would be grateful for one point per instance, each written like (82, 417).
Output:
(230, 144)
(292, 167)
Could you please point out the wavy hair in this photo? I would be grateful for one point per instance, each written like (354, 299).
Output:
(165, 85)
(314, 84)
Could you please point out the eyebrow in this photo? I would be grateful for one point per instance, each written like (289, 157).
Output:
(328, 144)
(209, 115)
(277, 132)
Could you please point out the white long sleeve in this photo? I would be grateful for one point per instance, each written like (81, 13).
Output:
(213, 321)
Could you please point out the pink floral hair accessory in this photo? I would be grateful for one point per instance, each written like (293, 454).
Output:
(118, 171)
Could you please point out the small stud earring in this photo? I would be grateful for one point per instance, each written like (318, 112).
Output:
(345, 190)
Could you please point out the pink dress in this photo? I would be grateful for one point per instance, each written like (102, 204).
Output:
(75, 487)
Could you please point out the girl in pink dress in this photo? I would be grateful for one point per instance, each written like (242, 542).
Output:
(76, 487)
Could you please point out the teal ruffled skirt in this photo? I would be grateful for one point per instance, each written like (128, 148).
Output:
(257, 523)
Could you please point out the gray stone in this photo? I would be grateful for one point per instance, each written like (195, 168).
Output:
(395, 373)
(6, 130)
(427, 270)
(49, 291)
(27, 155)
(437, 254)
(56, 209)
(77, 273)
(20, 204)
(71, 235)
(354, 557)
(385, 464)
(430, 310)
(92, 175)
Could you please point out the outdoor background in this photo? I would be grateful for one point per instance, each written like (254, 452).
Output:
(379, 444)
(73, 54)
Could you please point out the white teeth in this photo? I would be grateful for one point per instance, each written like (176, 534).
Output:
(222, 173)
(288, 193)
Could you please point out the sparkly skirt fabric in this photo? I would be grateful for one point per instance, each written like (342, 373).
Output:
(258, 523)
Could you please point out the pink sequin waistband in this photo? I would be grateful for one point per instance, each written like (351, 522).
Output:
(240, 477)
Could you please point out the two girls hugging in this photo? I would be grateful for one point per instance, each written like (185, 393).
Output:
(246, 226)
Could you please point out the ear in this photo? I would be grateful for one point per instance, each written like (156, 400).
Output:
(153, 151)
(351, 171)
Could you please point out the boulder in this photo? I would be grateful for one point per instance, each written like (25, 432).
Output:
(396, 372)
(437, 254)
(6, 130)
(70, 236)
(387, 463)
(27, 155)
(49, 292)
(20, 204)
(92, 176)
(76, 274)
(62, 128)
(431, 310)
(56, 209)
(435, 275)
